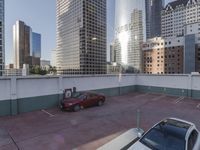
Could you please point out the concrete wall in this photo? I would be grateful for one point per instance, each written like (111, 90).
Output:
(24, 94)
(5, 96)
(179, 85)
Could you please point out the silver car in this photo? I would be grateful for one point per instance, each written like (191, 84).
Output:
(170, 134)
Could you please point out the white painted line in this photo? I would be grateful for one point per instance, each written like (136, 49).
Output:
(176, 100)
(179, 100)
(51, 115)
(198, 106)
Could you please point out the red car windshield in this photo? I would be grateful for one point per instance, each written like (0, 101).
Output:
(80, 96)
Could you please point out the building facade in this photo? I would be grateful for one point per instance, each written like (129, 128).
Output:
(173, 55)
(53, 58)
(135, 44)
(112, 53)
(153, 17)
(36, 45)
(163, 56)
(27, 45)
(129, 33)
(81, 36)
(128, 42)
(2, 38)
(177, 15)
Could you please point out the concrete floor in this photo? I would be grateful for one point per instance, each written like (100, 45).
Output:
(90, 128)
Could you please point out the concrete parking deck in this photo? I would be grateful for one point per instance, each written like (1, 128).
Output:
(90, 128)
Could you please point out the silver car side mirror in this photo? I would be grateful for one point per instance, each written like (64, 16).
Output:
(140, 133)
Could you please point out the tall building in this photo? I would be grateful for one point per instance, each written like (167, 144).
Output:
(178, 14)
(2, 37)
(27, 45)
(53, 58)
(36, 45)
(112, 53)
(81, 36)
(128, 42)
(135, 44)
(163, 55)
(172, 55)
(153, 17)
(129, 32)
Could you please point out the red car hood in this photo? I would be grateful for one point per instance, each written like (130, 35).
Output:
(72, 100)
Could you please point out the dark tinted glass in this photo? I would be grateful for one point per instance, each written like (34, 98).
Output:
(159, 139)
(192, 139)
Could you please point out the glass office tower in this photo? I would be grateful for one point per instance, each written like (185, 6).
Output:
(129, 32)
(153, 17)
(36, 45)
(27, 45)
(2, 38)
(81, 36)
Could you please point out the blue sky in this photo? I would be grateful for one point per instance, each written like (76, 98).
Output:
(41, 16)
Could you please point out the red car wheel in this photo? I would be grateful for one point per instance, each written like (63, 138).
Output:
(76, 108)
(100, 103)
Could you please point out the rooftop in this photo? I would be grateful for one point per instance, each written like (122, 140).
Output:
(176, 3)
(91, 128)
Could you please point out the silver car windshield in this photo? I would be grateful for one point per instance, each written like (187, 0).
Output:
(163, 139)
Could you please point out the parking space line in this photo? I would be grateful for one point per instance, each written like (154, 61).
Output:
(51, 115)
(178, 100)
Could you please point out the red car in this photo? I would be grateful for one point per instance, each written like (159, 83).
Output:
(82, 100)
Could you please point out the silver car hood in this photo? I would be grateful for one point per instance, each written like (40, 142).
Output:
(138, 146)
(123, 140)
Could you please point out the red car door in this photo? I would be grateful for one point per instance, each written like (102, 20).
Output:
(90, 100)
(93, 99)
(86, 101)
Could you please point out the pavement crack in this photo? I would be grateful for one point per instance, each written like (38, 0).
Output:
(13, 140)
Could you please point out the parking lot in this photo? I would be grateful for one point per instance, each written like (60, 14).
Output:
(90, 128)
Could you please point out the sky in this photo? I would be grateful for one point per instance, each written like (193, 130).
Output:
(41, 16)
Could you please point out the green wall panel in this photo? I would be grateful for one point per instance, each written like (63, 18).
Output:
(126, 90)
(5, 107)
(14, 107)
(163, 90)
(176, 92)
(116, 91)
(37, 103)
(195, 94)
(109, 91)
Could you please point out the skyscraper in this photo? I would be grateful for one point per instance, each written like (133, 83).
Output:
(81, 36)
(2, 38)
(177, 15)
(153, 17)
(135, 49)
(27, 45)
(36, 45)
(129, 32)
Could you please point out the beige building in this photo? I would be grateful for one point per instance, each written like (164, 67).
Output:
(163, 56)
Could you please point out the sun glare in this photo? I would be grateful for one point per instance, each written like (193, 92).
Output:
(123, 39)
